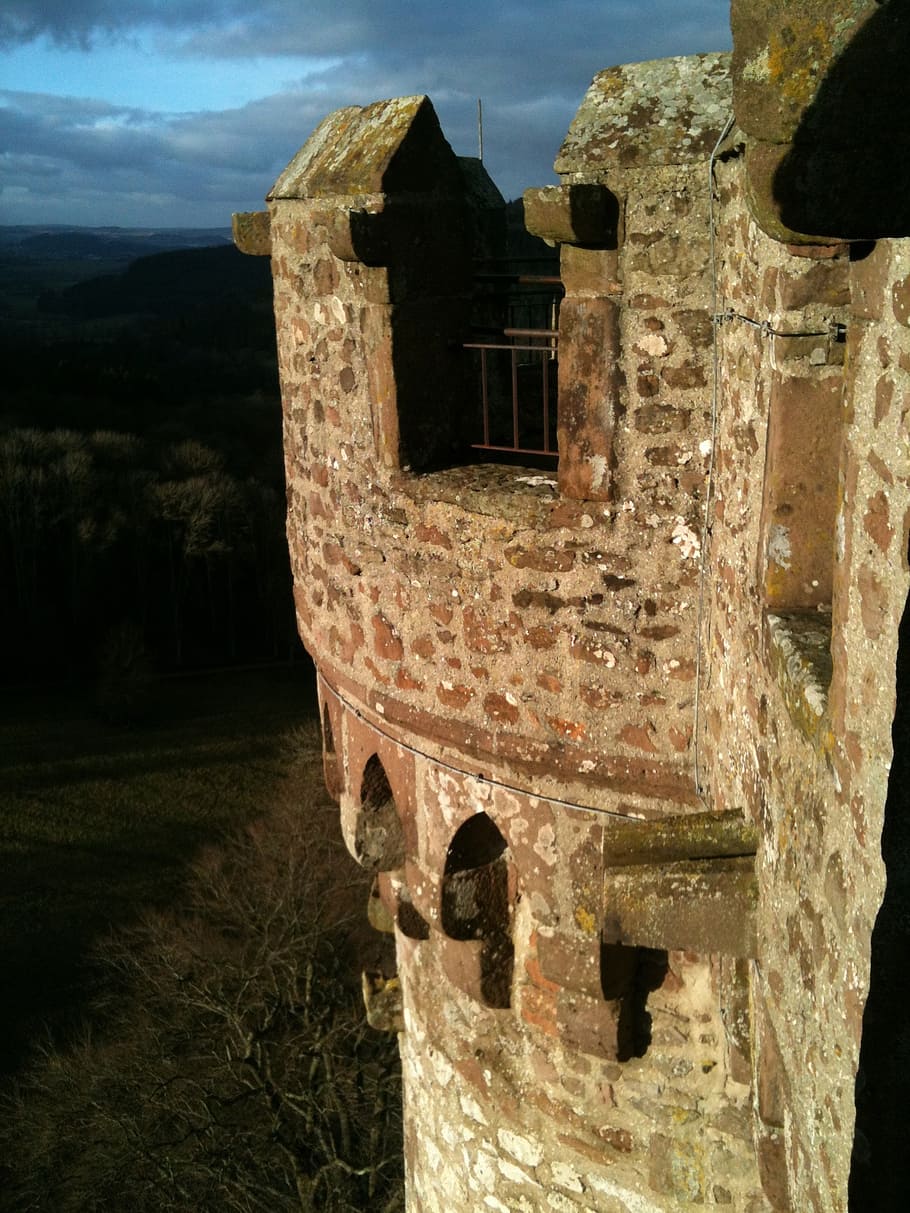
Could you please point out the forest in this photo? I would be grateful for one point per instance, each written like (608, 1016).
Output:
(141, 477)
(181, 930)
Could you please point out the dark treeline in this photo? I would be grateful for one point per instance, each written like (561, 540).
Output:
(141, 490)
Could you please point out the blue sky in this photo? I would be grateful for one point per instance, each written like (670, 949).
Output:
(174, 113)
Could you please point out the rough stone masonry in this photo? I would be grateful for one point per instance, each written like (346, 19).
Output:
(614, 732)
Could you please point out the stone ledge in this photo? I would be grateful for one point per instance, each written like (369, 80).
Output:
(523, 495)
(798, 645)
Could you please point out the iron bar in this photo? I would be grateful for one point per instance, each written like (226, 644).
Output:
(530, 404)
(514, 450)
(494, 345)
(484, 387)
(546, 334)
(545, 392)
(519, 279)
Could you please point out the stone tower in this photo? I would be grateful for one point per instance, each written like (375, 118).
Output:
(614, 732)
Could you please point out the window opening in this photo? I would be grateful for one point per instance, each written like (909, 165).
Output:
(378, 836)
(514, 346)
(476, 903)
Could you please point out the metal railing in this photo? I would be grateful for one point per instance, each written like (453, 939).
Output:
(518, 366)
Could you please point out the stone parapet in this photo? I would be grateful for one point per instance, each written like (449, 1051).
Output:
(614, 732)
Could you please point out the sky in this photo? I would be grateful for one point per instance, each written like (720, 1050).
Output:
(174, 113)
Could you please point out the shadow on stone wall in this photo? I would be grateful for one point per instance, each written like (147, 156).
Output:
(630, 975)
(878, 1178)
(847, 174)
(475, 903)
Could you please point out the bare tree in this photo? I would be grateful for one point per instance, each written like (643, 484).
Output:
(235, 1070)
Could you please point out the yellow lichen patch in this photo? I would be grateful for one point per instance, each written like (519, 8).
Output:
(798, 75)
(586, 920)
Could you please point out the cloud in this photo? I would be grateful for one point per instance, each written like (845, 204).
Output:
(82, 22)
(98, 163)
(530, 62)
(535, 40)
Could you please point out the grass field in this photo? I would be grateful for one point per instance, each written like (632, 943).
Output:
(98, 823)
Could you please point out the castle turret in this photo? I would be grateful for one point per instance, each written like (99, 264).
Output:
(605, 716)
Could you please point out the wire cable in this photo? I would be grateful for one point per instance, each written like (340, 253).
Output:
(709, 488)
(484, 779)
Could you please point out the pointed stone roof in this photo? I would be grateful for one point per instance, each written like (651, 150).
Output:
(389, 147)
(665, 111)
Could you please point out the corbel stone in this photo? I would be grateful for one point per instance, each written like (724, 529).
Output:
(581, 213)
(763, 164)
(687, 883)
(359, 235)
(251, 232)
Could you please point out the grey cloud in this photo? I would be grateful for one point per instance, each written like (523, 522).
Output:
(530, 62)
(195, 168)
(534, 39)
(81, 22)
(508, 47)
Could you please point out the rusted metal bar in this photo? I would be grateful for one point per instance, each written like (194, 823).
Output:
(521, 279)
(514, 450)
(485, 391)
(545, 392)
(522, 344)
(499, 345)
(546, 334)
(542, 260)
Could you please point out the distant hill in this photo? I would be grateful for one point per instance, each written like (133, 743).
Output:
(104, 243)
(168, 283)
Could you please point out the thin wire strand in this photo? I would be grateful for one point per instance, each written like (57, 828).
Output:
(709, 488)
(834, 329)
(485, 779)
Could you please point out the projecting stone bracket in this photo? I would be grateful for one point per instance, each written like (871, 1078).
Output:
(252, 233)
(397, 232)
(382, 1001)
(584, 213)
(687, 883)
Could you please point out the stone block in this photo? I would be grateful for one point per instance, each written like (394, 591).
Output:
(781, 55)
(705, 905)
(381, 905)
(693, 836)
(771, 1153)
(589, 271)
(589, 387)
(663, 112)
(800, 490)
(462, 965)
(251, 232)
(586, 214)
(733, 987)
(870, 278)
(591, 1024)
(393, 146)
(571, 963)
(677, 1169)
(825, 282)
(383, 1002)
(763, 163)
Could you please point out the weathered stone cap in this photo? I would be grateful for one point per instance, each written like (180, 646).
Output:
(663, 112)
(782, 54)
(389, 147)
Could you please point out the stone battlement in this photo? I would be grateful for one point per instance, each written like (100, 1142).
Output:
(612, 730)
